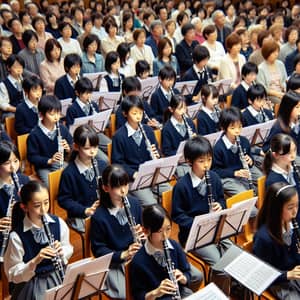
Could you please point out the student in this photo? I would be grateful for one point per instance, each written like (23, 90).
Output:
(11, 93)
(28, 259)
(177, 128)
(209, 115)
(227, 158)
(113, 79)
(190, 199)
(199, 71)
(10, 180)
(26, 116)
(239, 96)
(142, 69)
(42, 143)
(77, 190)
(287, 121)
(275, 241)
(161, 97)
(110, 231)
(64, 86)
(130, 149)
(255, 112)
(148, 276)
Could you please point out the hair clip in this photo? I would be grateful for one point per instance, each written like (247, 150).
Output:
(282, 189)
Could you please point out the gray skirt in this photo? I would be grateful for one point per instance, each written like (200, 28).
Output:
(287, 291)
(35, 288)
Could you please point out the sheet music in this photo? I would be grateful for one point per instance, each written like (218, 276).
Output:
(108, 101)
(192, 110)
(214, 137)
(264, 131)
(148, 86)
(210, 292)
(222, 85)
(251, 272)
(93, 77)
(186, 87)
(180, 152)
(65, 103)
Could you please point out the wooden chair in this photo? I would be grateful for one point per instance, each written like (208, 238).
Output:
(4, 284)
(54, 180)
(109, 150)
(195, 121)
(22, 148)
(261, 181)
(166, 203)
(127, 283)
(157, 133)
(276, 109)
(228, 101)
(87, 238)
(112, 124)
(10, 128)
(236, 199)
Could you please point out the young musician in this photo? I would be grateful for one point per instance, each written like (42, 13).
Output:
(110, 230)
(160, 99)
(287, 121)
(10, 181)
(275, 241)
(27, 111)
(43, 148)
(134, 144)
(28, 260)
(229, 163)
(148, 270)
(79, 183)
(208, 116)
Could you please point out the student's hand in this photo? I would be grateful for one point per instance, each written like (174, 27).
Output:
(58, 248)
(294, 274)
(249, 160)
(56, 158)
(134, 175)
(197, 97)
(130, 252)
(140, 232)
(153, 123)
(154, 151)
(45, 253)
(262, 153)
(165, 287)
(5, 223)
(91, 210)
(65, 145)
(180, 277)
(241, 173)
(216, 206)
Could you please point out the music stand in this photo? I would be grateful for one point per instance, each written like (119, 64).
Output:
(154, 172)
(65, 103)
(222, 86)
(192, 110)
(210, 291)
(264, 131)
(106, 100)
(95, 78)
(214, 137)
(148, 87)
(186, 87)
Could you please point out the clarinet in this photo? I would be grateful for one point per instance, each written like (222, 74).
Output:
(244, 163)
(296, 229)
(131, 221)
(11, 203)
(158, 126)
(187, 126)
(147, 141)
(210, 196)
(296, 170)
(92, 107)
(170, 269)
(217, 110)
(59, 144)
(98, 176)
(265, 117)
(57, 260)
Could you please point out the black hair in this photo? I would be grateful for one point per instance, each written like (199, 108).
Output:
(130, 84)
(256, 91)
(28, 35)
(10, 22)
(49, 103)
(89, 39)
(167, 72)
(181, 16)
(141, 67)
(196, 147)
(31, 82)
(131, 101)
(71, 60)
(6, 148)
(248, 68)
(110, 59)
(207, 90)
(175, 102)
(228, 116)
(294, 81)
(186, 28)
(270, 214)
(62, 25)
(12, 59)
(280, 144)
(200, 53)
(153, 217)
(123, 49)
(83, 85)
(113, 176)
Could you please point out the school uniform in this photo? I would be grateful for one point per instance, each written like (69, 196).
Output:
(160, 101)
(26, 117)
(64, 88)
(41, 146)
(114, 83)
(208, 121)
(147, 269)
(283, 257)
(12, 90)
(239, 96)
(25, 242)
(226, 160)
(4, 136)
(110, 232)
(77, 190)
(253, 117)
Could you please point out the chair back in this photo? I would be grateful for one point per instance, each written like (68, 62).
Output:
(10, 127)
(157, 133)
(261, 189)
(109, 151)
(87, 237)
(113, 124)
(26, 167)
(54, 180)
(127, 282)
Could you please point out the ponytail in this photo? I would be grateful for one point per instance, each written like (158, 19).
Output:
(18, 215)
(268, 161)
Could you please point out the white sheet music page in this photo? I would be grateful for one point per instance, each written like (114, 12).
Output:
(251, 272)
(214, 137)
(186, 87)
(65, 103)
(192, 110)
(180, 152)
(264, 131)
(210, 292)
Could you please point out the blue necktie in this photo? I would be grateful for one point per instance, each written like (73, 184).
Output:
(234, 149)
(39, 235)
(52, 135)
(160, 258)
(182, 129)
(137, 137)
(201, 188)
(121, 217)
(9, 189)
(34, 109)
(89, 174)
(214, 117)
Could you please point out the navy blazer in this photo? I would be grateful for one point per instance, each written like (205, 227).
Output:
(63, 89)
(289, 62)
(249, 119)
(25, 119)
(239, 97)
(150, 41)
(206, 124)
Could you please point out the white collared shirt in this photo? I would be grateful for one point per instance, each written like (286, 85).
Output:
(245, 85)
(165, 92)
(81, 166)
(277, 169)
(150, 249)
(227, 143)
(130, 130)
(45, 130)
(81, 103)
(15, 268)
(175, 122)
(195, 179)
(71, 80)
(253, 111)
(29, 103)
(208, 111)
(198, 71)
